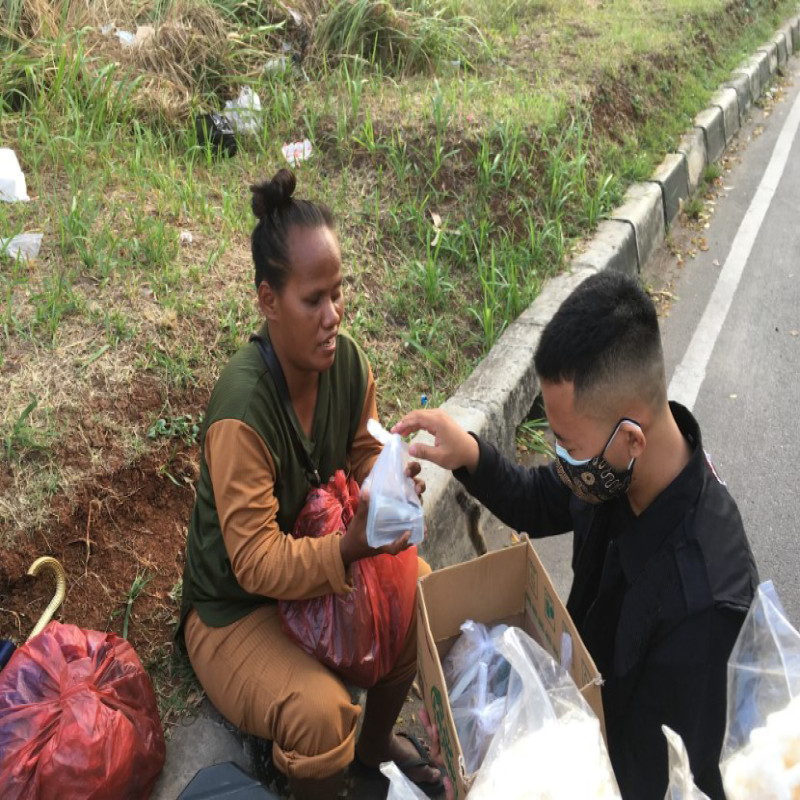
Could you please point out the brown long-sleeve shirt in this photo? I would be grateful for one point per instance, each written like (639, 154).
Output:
(263, 558)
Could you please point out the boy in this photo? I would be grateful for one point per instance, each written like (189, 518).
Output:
(663, 572)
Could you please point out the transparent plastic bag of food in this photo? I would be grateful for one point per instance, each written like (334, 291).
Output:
(394, 506)
(761, 753)
(476, 675)
(681, 781)
(549, 743)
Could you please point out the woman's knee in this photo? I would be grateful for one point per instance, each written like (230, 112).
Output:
(315, 719)
(314, 730)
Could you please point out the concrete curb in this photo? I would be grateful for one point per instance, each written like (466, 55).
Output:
(502, 389)
(672, 176)
(727, 100)
(740, 83)
(644, 210)
(712, 123)
(771, 51)
(612, 246)
(692, 147)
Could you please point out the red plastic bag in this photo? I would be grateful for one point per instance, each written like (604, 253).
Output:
(359, 635)
(78, 719)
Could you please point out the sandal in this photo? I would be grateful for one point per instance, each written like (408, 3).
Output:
(430, 789)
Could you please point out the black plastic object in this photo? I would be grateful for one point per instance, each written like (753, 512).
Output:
(225, 782)
(214, 129)
(7, 649)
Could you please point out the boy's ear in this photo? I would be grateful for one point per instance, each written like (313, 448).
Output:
(267, 301)
(636, 440)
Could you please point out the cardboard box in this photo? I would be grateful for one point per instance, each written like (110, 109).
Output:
(510, 586)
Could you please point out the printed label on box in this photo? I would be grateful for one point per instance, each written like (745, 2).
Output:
(444, 737)
(549, 610)
(533, 580)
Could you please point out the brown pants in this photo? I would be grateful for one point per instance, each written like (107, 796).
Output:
(267, 686)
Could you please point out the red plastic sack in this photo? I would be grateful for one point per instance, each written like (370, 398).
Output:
(78, 720)
(359, 635)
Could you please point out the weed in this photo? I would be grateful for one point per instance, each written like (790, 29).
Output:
(694, 206)
(137, 587)
(22, 436)
(712, 172)
(184, 427)
(532, 438)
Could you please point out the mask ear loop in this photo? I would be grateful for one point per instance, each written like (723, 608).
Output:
(615, 432)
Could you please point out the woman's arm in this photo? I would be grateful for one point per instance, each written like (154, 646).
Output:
(263, 558)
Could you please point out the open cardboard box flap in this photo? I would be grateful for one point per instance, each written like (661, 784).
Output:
(510, 586)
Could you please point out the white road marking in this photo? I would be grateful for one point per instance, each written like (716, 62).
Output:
(691, 372)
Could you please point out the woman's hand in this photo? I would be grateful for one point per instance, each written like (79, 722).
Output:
(353, 543)
(453, 447)
(412, 470)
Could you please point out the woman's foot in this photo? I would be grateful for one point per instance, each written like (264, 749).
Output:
(402, 751)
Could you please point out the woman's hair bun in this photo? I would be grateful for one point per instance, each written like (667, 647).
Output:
(269, 196)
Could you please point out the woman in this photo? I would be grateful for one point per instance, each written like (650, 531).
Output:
(271, 430)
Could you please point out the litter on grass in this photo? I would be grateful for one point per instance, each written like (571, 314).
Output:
(244, 113)
(25, 246)
(297, 152)
(12, 179)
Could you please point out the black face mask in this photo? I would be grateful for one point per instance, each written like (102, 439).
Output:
(594, 480)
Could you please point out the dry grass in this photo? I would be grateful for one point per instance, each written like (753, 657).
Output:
(194, 53)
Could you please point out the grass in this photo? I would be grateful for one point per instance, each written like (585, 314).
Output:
(137, 587)
(531, 438)
(465, 146)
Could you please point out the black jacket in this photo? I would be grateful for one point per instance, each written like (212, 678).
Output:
(658, 600)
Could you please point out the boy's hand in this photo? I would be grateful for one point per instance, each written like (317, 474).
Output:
(453, 446)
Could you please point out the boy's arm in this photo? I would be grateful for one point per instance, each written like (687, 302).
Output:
(533, 500)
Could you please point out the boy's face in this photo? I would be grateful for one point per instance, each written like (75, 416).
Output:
(583, 435)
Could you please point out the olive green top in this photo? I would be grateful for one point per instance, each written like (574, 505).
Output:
(247, 447)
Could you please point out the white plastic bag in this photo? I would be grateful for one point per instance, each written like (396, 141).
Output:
(25, 246)
(393, 503)
(681, 781)
(476, 675)
(244, 113)
(549, 744)
(761, 754)
(12, 179)
(400, 787)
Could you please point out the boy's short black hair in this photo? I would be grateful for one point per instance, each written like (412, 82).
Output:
(605, 337)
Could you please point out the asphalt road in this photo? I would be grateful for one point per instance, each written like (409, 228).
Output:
(747, 395)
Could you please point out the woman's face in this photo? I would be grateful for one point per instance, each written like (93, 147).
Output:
(305, 315)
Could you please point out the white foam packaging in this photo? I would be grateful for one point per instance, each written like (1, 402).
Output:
(12, 179)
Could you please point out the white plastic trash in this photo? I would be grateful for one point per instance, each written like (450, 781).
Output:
(126, 38)
(297, 152)
(12, 179)
(400, 787)
(279, 64)
(25, 246)
(244, 113)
